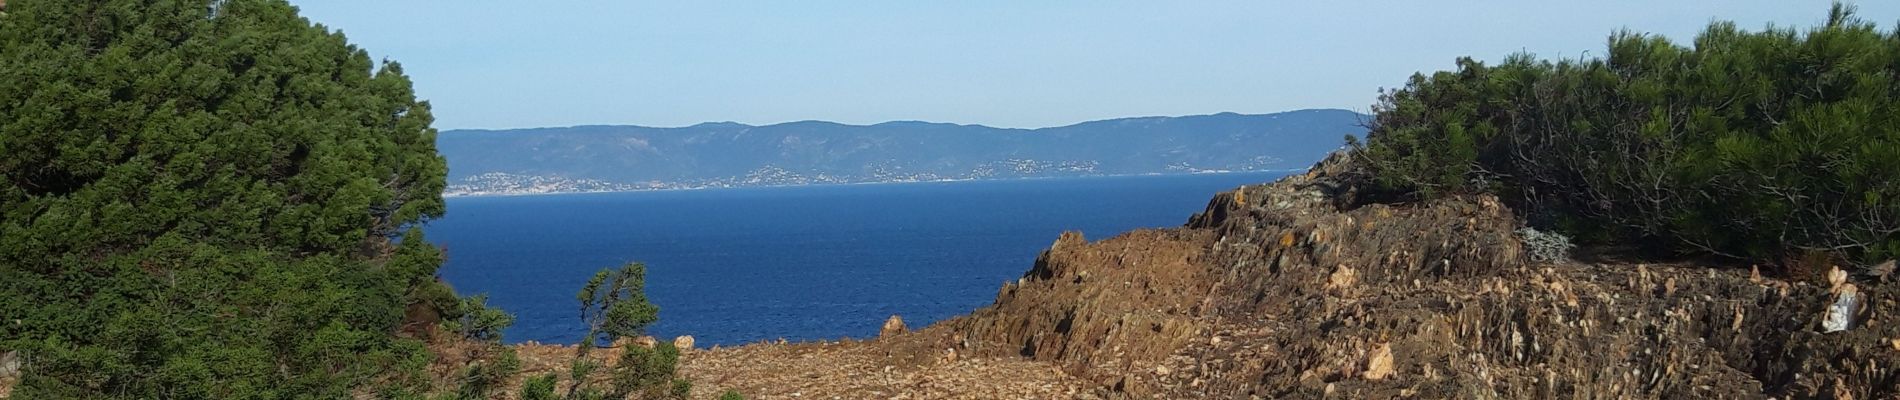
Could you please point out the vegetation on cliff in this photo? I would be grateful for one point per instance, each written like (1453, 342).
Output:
(614, 306)
(219, 199)
(209, 199)
(1752, 144)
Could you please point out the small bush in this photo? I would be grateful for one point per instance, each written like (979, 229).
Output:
(614, 305)
(476, 321)
(479, 380)
(539, 388)
(1545, 246)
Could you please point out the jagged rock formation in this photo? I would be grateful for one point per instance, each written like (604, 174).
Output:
(1306, 288)
(1295, 290)
(892, 327)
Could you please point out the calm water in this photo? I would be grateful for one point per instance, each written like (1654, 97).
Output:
(818, 262)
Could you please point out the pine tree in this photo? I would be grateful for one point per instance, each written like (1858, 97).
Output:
(1760, 145)
(206, 199)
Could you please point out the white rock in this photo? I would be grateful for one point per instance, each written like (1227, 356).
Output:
(683, 342)
(1840, 315)
(10, 364)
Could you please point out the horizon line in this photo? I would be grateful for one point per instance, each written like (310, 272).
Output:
(477, 130)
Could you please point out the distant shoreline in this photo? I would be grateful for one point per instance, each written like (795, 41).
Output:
(1156, 174)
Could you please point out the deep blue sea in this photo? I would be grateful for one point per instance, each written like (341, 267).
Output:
(732, 266)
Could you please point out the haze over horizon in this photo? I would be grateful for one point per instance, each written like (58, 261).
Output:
(503, 65)
(900, 121)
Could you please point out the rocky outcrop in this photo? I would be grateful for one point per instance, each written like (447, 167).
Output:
(1115, 309)
(1102, 310)
(1304, 288)
(1314, 286)
(683, 342)
(892, 327)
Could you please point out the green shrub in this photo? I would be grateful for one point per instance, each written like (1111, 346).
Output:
(649, 373)
(479, 380)
(1754, 145)
(473, 319)
(539, 388)
(613, 306)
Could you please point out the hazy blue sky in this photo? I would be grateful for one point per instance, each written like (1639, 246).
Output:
(506, 64)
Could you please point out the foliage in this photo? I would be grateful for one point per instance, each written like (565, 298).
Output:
(479, 380)
(476, 321)
(1545, 246)
(648, 372)
(489, 363)
(731, 395)
(207, 199)
(1748, 144)
(539, 388)
(614, 306)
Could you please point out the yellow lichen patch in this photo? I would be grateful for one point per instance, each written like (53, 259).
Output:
(1286, 239)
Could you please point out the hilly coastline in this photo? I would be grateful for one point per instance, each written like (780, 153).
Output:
(211, 199)
(725, 154)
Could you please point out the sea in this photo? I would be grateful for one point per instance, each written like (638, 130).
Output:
(741, 265)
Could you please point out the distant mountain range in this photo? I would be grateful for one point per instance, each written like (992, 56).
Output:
(726, 154)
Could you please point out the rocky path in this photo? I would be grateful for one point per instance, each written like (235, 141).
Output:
(872, 370)
(898, 367)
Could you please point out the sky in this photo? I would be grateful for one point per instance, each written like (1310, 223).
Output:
(517, 64)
